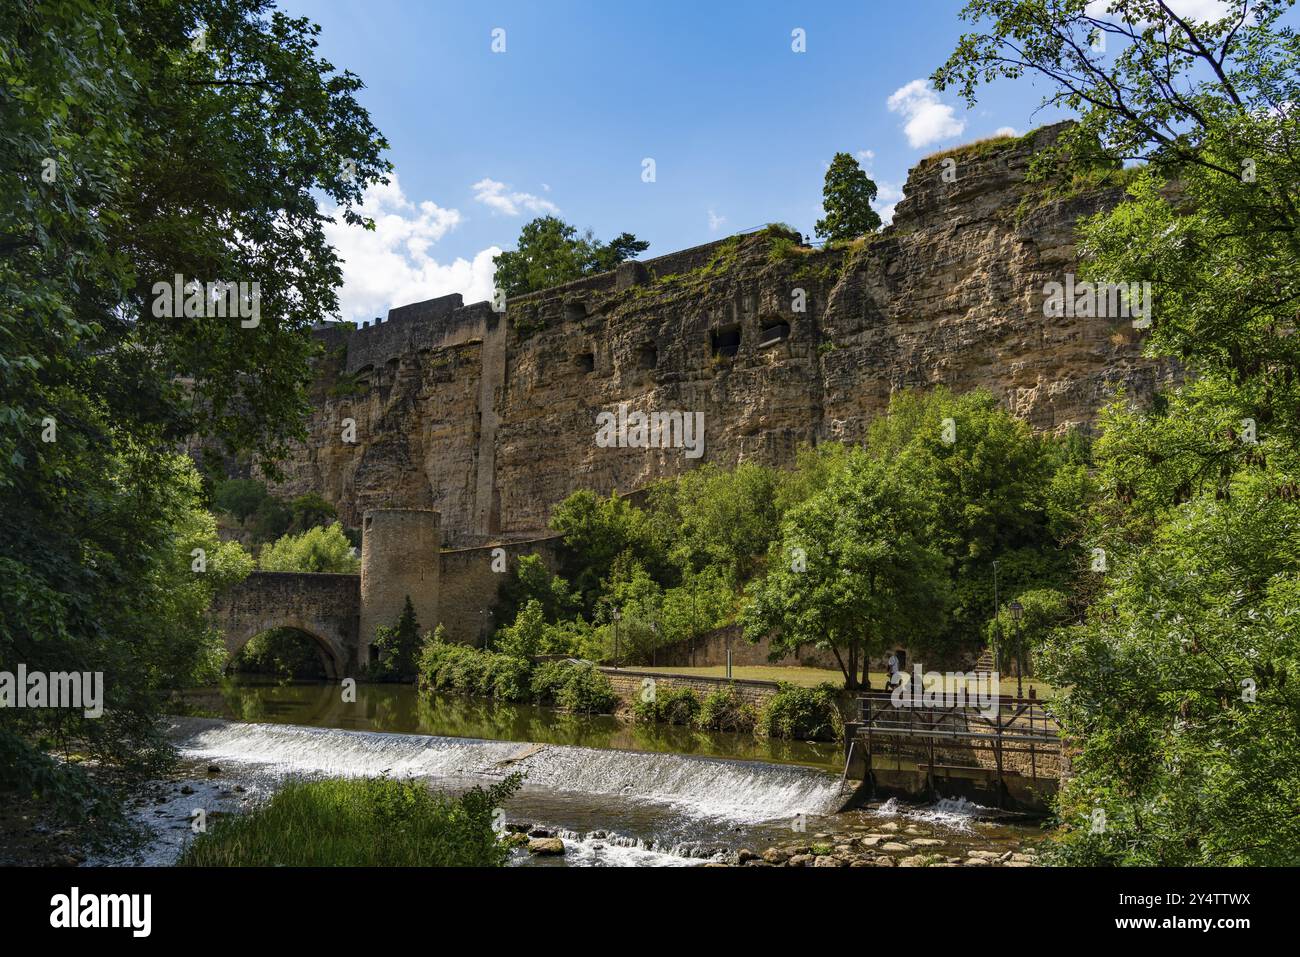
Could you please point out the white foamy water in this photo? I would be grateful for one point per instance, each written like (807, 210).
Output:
(739, 791)
(956, 814)
(616, 850)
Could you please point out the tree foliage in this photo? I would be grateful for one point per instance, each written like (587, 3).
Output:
(134, 153)
(1178, 688)
(853, 571)
(324, 548)
(846, 199)
(551, 252)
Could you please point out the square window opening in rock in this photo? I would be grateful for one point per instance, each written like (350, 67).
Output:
(726, 341)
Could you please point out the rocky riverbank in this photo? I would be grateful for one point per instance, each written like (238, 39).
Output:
(890, 845)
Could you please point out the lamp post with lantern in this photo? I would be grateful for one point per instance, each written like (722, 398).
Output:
(1017, 610)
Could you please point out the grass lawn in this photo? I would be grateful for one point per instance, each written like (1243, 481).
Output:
(810, 677)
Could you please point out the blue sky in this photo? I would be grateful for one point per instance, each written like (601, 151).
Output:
(739, 125)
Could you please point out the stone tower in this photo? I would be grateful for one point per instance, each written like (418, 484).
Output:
(399, 556)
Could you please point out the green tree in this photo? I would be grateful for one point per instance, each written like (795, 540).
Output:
(725, 517)
(1177, 683)
(994, 491)
(319, 549)
(596, 531)
(311, 510)
(132, 154)
(1042, 611)
(397, 648)
(551, 252)
(239, 497)
(524, 637)
(852, 572)
(530, 580)
(846, 199)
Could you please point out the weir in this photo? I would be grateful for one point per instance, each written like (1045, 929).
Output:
(738, 791)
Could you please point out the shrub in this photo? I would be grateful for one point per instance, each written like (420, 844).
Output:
(447, 666)
(548, 679)
(574, 686)
(725, 710)
(644, 712)
(359, 822)
(587, 691)
(808, 714)
(678, 706)
(508, 677)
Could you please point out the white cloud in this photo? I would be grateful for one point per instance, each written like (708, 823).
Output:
(928, 120)
(498, 197)
(1005, 131)
(887, 197)
(866, 156)
(391, 266)
(1201, 10)
(715, 221)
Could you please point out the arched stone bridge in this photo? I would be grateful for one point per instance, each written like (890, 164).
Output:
(325, 607)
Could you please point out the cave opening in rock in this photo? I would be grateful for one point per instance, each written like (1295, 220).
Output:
(726, 341)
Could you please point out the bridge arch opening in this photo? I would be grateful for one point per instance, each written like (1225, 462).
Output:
(286, 652)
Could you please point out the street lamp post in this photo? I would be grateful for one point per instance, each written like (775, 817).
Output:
(1017, 610)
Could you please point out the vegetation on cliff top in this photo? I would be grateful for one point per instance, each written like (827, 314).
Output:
(550, 252)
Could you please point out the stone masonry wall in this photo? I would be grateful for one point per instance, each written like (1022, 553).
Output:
(628, 685)
(468, 586)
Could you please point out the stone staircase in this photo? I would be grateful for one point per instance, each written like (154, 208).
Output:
(986, 661)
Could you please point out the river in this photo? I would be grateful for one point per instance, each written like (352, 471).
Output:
(618, 794)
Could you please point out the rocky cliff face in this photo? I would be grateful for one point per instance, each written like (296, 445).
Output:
(492, 419)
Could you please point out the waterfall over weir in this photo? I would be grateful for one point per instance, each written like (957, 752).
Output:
(741, 791)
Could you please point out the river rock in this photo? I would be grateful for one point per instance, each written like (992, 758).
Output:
(826, 861)
(890, 828)
(745, 854)
(545, 846)
(976, 862)
(539, 831)
(883, 861)
(801, 860)
(986, 855)
(895, 847)
(926, 842)
(774, 855)
(1023, 858)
